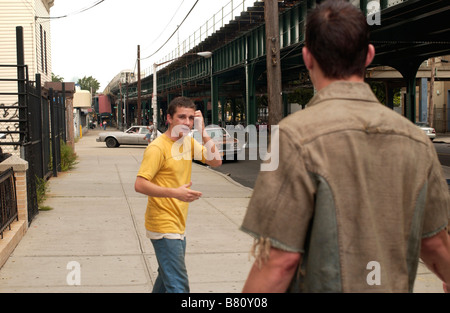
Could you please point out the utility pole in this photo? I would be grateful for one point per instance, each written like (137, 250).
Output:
(127, 110)
(273, 61)
(139, 117)
(431, 102)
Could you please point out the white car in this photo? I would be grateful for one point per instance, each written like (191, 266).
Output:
(429, 131)
(228, 146)
(135, 135)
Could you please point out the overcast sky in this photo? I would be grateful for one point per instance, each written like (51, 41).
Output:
(102, 41)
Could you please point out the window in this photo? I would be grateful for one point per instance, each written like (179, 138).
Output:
(42, 49)
(43, 40)
(45, 51)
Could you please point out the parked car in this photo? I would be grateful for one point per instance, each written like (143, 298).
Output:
(429, 131)
(228, 146)
(135, 135)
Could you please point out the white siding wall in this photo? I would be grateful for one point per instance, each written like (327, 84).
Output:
(15, 13)
(22, 13)
(43, 57)
(12, 14)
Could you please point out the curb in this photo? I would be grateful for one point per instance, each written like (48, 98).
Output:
(231, 180)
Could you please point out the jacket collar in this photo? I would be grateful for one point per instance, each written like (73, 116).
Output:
(344, 90)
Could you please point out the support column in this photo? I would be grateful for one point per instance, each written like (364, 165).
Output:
(410, 109)
(215, 101)
(284, 98)
(206, 118)
(250, 98)
(233, 109)
(423, 100)
(389, 95)
(409, 72)
(223, 105)
(448, 111)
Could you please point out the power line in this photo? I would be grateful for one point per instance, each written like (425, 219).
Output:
(73, 13)
(172, 33)
(166, 25)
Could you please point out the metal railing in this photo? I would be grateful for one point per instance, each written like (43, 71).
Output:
(8, 200)
(226, 14)
(233, 9)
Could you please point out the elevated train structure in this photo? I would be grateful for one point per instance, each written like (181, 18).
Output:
(230, 86)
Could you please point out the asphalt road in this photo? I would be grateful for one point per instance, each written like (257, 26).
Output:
(242, 171)
(443, 151)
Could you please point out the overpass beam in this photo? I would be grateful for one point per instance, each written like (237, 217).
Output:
(409, 73)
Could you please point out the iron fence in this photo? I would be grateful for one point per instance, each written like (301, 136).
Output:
(32, 125)
(8, 200)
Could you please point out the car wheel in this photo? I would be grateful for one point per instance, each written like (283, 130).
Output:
(111, 142)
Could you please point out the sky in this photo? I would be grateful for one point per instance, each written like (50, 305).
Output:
(103, 40)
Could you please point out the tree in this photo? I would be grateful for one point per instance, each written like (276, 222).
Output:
(86, 83)
(56, 78)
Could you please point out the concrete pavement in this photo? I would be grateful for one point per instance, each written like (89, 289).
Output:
(93, 240)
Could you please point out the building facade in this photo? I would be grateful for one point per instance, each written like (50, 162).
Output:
(33, 16)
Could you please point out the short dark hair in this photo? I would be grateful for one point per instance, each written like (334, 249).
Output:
(337, 35)
(184, 102)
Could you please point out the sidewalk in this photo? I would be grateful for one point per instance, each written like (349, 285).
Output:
(98, 221)
(442, 138)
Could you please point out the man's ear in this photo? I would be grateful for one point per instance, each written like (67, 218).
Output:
(370, 54)
(307, 58)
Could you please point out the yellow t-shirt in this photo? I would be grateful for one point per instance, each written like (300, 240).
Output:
(168, 163)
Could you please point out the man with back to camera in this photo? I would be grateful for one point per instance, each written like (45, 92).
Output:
(165, 177)
(359, 193)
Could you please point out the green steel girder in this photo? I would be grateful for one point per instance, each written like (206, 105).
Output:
(237, 67)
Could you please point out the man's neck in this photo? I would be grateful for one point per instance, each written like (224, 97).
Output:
(324, 81)
(168, 133)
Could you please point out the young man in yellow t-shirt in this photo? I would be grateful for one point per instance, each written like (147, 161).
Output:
(165, 177)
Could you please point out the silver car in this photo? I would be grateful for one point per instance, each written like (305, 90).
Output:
(429, 131)
(135, 135)
(228, 146)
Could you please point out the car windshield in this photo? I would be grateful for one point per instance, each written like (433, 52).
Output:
(133, 130)
(218, 133)
(422, 124)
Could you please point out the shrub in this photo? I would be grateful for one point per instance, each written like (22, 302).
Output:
(41, 190)
(68, 157)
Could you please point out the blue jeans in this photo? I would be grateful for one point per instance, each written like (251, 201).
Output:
(172, 273)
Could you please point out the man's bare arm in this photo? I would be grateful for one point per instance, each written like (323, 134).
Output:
(435, 252)
(183, 193)
(275, 274)
(213, 158)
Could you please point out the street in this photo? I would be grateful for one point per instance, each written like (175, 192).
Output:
(242, 171)
(443, 151)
